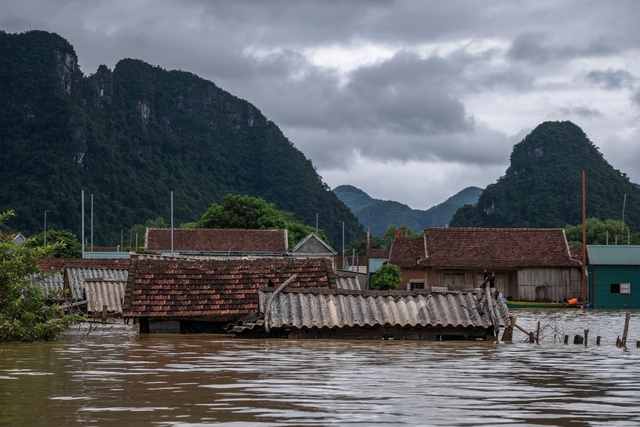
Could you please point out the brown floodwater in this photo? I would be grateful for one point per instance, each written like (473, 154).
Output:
(114, 376)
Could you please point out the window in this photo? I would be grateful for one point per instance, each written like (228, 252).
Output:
(415, 285)
(621, 288)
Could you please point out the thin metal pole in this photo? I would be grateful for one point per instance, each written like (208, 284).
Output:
(45, 228)
(172, 222)
(584, 242)
(343, 249)
(92, 223)
(82, 223)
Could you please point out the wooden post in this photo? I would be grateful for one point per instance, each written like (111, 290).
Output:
(626, 330)
(538, 333)
(532, 337)
(507, 335)
(598, 340)
(104, 313)
(586, 336)
(566, 339)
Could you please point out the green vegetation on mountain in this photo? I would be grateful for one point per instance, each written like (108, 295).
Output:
(378, 215)
(131, 136)
(543, 185)
(24, 312)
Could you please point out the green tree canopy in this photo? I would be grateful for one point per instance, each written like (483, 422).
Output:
(141, 229)
(360, 246)
(65, 244)
(405, 231)
(24, 314)
(245, 212)
(597, 232)
(387, 277)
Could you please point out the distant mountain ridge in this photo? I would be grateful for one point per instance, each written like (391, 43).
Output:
(131, 136)
(542, 186)
(378, 214)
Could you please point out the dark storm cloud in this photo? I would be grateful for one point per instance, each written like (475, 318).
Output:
(611, 79)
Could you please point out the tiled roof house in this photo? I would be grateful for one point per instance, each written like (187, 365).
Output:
(530, 264)
(217, 241)
(182, 295)
(406, 254)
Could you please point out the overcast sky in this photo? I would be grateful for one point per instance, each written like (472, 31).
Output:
(411, 100)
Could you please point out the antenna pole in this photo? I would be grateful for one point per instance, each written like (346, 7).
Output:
(584, 242)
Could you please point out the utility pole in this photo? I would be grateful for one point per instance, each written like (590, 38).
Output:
(45, 228)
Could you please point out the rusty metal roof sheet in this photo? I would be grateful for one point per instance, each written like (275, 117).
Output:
(104, 292)
(339, 309)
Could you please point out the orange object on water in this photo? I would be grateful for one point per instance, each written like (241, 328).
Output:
(573, 301)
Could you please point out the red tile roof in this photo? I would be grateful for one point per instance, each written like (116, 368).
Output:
(216, 240)
(496, 248)
(159, 288)
(59, 264)
(405, 253)
(379, 253)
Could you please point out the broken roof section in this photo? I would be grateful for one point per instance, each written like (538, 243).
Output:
(496, 248)
(213, 289)
(218, 240)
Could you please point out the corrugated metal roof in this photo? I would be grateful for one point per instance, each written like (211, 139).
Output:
(337, 310)
(104, 292)
(613, 254)
(348, 282)
(52, 284)
(75, 277)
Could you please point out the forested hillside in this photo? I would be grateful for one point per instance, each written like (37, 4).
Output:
(543, 185)
(378, 214)
(131, 136)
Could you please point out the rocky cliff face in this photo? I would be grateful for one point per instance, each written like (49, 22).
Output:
(131, 136)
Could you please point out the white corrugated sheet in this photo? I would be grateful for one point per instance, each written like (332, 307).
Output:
(456, 309)
(104, 292)
(349, 283)
(77, 276)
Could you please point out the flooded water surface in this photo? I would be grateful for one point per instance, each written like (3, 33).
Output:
(114, 376)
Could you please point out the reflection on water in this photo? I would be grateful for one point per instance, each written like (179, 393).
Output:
(113, 376)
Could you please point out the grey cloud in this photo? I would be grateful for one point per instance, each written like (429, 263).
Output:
(539, 48)
(611, 79)
(635, 98)
(580, 111)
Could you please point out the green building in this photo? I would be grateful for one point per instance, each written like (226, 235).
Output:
(613, 274)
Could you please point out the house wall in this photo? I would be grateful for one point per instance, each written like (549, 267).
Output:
(410, 275)
(600, 279)
(465, 280)
(546, 284)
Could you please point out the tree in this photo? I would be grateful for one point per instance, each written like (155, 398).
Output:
(24, 313)
(360, 246)
(387, 277)
(140, 230)
(600, 232)
(65, 244)
(245, 212)
(404, 230)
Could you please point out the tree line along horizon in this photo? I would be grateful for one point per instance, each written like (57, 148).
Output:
(246, 212)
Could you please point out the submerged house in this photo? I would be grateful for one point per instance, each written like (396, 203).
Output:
(614, 276)
(406, 254)
(103, 294)
(372, 315)
(181, 295)
(530, 264)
